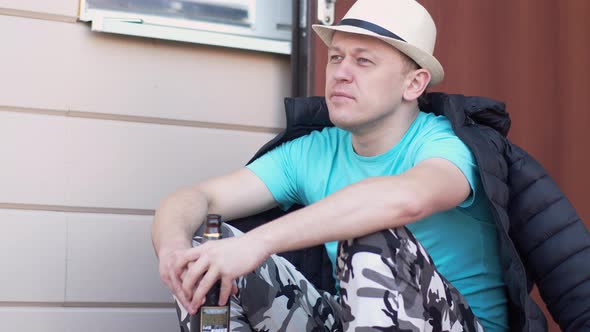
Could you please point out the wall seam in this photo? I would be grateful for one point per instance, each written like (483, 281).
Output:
(38, 15)
(140, 119)
(66, 257)
(97, 305)
(75, 209)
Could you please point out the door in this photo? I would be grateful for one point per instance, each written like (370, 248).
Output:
(507, 50)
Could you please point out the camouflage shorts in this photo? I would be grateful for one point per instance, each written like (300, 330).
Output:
(387, 283)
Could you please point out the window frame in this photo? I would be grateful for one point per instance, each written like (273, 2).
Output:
(192, 31)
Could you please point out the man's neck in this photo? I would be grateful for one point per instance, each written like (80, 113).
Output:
(385, 134)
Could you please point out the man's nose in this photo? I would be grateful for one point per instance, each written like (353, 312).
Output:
(342, 71)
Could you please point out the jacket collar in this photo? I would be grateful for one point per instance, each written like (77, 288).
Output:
(312, 112)
(480, 110)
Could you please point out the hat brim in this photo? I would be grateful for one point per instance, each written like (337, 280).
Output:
(422, 58)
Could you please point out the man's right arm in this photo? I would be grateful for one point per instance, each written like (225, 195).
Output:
(180, 214)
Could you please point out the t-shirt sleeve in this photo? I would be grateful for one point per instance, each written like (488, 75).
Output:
(448, 146)
(276, 169)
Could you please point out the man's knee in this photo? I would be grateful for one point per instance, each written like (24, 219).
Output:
(395, 252)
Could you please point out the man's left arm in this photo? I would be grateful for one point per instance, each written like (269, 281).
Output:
(368, 206)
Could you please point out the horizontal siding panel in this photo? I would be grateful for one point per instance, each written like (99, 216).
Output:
(24, 319)
(32, 256)
(54, 160)
(33, 158)
(53, 7)
(111, 259)
(66, 67)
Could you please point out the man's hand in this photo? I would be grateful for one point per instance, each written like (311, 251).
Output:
(233, 196)
(169, 258)
(200, 267)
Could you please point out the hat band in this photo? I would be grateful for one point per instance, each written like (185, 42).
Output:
(371, 27)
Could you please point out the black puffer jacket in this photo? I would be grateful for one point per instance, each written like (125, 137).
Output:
(543, 241)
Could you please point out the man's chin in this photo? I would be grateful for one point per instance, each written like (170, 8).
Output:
(340, 108)
(336, 103)
(342, 123)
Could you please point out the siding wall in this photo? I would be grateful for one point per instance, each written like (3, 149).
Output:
(94, 130)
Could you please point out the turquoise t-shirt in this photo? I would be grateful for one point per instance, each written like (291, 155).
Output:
(461, 241)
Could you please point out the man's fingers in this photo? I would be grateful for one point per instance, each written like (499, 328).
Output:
(226, 288)
(174, 282)
(192, 276)
(177, 290)
(234, 288)
(193, 253)
(182, 300)
(183, 261)
(204, 286)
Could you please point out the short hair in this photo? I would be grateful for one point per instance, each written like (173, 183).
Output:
(409, 63)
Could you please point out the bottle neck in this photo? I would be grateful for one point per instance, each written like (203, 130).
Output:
(212, 235)
(212, 227)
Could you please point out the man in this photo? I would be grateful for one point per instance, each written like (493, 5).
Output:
(385, 168)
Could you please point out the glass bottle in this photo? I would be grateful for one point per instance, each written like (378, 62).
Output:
(211, 317)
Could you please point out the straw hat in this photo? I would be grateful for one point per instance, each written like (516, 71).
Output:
(404, 24)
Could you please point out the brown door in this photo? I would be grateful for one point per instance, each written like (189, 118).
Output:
(535, 56)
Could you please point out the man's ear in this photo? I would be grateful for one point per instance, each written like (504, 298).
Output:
(418, 82)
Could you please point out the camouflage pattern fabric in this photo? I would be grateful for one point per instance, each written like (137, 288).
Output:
(388, 283)
(391, 273)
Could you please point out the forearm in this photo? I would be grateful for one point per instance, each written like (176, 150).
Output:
(178, 217)
(234, 195)
(362, 208)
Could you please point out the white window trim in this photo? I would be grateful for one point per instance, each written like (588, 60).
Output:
(143, 25)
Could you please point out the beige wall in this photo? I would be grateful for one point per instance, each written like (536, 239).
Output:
(94, 130)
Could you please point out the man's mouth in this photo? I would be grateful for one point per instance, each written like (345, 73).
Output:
(340, 96)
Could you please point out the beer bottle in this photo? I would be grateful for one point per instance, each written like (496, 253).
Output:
(211, 317)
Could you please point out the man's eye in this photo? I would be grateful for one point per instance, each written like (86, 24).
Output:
(335, 58)
(363, 61)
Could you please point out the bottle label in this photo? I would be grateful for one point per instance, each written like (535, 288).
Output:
(215, 319)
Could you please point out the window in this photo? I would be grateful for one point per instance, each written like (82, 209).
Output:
(263, 25)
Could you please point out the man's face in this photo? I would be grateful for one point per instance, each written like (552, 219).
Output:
(365, 80)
